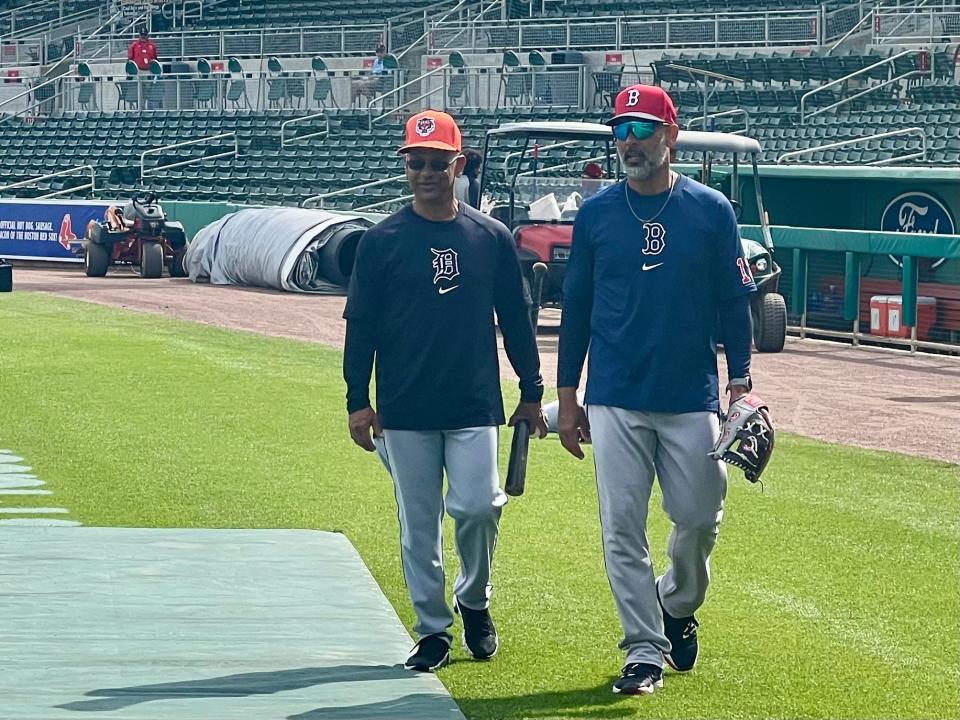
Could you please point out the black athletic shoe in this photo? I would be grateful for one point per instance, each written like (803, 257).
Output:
(479, 632)
(431, 653)
(638, 679)
(682, 634)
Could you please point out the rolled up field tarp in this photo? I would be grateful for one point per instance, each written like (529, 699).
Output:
(293, 249)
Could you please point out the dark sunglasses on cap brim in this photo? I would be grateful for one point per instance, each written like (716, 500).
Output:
(641, 129)
(417, 164)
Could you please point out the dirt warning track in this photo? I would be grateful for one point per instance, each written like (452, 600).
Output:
(872, 398)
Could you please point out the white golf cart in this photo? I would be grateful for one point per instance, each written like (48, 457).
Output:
(538, 187)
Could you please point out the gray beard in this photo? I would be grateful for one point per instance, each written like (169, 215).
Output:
(648, 167)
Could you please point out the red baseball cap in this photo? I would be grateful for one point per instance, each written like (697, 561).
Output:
(644, 102)
(592, 170)
(432, 129)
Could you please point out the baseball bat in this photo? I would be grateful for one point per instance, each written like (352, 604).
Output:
(536, 293)
(517, 465)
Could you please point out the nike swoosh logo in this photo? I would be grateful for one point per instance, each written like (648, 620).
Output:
(651, 267)
(444, 291)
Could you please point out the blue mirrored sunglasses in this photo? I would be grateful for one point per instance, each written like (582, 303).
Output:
(641, 129)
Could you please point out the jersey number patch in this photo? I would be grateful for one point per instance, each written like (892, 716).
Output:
(745, 275)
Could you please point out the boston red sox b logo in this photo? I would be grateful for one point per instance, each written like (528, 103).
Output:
(655, 240)
(633, 97)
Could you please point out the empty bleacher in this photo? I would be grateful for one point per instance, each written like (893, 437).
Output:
(267, 13)
(601, 8)
(20, 15)
(266, 173)
(803, 66)
(771, 94)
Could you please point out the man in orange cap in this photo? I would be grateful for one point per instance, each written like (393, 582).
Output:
(426, 284)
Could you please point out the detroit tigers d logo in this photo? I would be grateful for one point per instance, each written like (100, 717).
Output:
(445, 264)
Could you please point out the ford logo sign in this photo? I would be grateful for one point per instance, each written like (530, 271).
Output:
(917, 212)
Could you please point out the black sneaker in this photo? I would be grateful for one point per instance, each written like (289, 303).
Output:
(638, 679)
(479, 632)
(682, 634)
(431, 653)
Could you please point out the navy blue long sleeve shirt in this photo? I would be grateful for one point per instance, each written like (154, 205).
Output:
(648, 294)
(421, 308)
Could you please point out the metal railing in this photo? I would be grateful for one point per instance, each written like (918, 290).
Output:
(50, 47)
(313, 199)
(869, 90)
(188, 9)
(907, 13)
(727, 29)
(55, 74)
(396, 91)
(528, 86)
(26, 93)
(869, 68)
(539, 149)
(46, 41)
(546, 171)
(299, 138)
(53, 101)
(409, 29)
(295, 41)
(131, 24)
(92, 185)
(61, 26)
(23, 51)
(864, 24)
(835, 286)
(845, 21)
(921, 155)
(22, 18)
(480, 16)
(194, 92)
(144, 170)
(726, 113)
(919, 24)
(384, 203)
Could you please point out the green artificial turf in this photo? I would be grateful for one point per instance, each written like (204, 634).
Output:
(835, 590)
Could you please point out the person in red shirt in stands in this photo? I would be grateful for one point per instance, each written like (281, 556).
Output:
(142, 51)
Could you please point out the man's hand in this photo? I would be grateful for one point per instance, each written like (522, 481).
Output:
(737, 392)
(572, 423)
(532, 413)
(361, 423)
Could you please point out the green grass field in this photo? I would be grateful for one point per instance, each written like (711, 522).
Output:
(835, 591)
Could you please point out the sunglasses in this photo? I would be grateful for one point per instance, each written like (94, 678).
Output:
(417, 164)
(641, 129)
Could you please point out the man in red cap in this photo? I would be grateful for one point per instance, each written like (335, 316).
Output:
(656, 278)
(142, 51)
(591, 179)
(425, 287)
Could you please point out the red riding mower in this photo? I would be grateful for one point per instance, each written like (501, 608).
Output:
(138, 235)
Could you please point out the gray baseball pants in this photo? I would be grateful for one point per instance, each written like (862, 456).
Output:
(417, 461)
(629, 449)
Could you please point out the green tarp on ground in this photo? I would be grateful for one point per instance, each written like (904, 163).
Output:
(131, 624)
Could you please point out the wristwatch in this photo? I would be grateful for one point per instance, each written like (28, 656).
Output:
(745, 381)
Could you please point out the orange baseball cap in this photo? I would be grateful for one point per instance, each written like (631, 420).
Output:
(432, 129)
